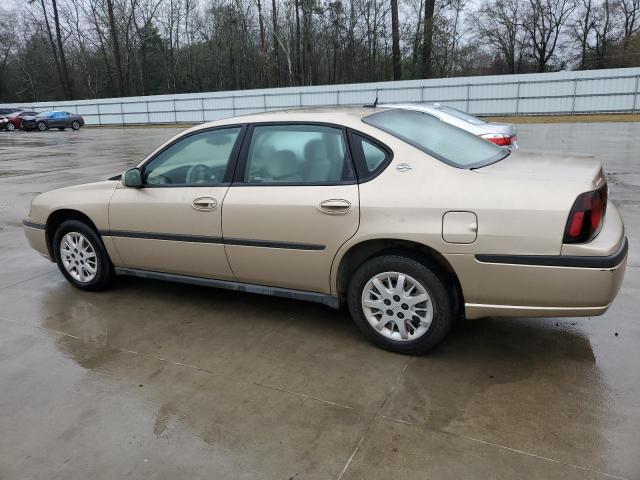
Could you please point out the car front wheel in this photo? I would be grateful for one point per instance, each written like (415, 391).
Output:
(400, 304)
(75, 125)
(42, 126)
(11, 127)
(81, 256)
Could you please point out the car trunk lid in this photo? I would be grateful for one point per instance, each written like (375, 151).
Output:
(583, 169)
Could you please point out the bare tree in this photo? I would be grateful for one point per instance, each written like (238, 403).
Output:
(7, 43)
(631, 18)
(499, 25)
(543, 24)
(582, 27)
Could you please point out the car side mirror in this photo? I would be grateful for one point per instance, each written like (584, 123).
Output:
(132, 178)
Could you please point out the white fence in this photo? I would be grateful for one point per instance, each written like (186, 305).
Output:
(613, 90)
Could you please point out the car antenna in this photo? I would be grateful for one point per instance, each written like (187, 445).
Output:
(372, 105)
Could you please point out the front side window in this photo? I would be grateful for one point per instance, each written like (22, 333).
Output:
(299, 154)
(445, 142)
(198, 159)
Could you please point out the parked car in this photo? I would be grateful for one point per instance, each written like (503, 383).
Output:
(46, 120)
(14, 120)
(502, 134)
(7, 110)
(406, 219)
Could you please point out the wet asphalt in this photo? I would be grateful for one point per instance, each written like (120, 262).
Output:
(157, 380)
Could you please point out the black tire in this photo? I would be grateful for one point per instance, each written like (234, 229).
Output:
(104, 268)
(430, 279)
(75, 125)
(42, 126)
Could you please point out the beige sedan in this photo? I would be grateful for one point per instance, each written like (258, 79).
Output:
(409, 221)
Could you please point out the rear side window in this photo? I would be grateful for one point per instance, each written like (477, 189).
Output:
(370, 157)
(445, 142)
(297, 154)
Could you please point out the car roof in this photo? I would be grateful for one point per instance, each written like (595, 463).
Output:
(347, 116)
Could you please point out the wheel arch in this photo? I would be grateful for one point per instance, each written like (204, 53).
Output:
(359, 253)
(57, 217)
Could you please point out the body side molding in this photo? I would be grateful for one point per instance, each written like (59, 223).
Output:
(207, 239)
(574, 261)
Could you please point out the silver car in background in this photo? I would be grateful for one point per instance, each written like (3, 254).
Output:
(503, 134)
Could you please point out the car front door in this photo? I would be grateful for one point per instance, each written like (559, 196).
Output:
(172, 223)
(55, 120)
(293, 203)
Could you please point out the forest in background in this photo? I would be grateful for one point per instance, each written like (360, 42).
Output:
(78, 49)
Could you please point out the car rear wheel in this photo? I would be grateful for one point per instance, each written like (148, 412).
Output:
(42, 126)
(400, 304)
(75, 125)
(11, 127)
(81, 256)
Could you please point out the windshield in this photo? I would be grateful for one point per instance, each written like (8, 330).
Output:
(445, 142)
(463, 115)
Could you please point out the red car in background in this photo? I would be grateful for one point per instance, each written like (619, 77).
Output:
(14, 120)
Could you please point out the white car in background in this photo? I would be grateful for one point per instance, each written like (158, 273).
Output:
(503, 134)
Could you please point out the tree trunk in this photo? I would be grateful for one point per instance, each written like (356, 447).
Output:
(263, 41)
(67, 85)
(117, 59)
(274, 16)
(299, 67)
(54, 50)
(427, 43)
(395, 38)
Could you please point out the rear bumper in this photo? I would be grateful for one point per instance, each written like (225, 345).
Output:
(540, 286)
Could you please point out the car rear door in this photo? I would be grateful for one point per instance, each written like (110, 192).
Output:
(293, 203)
(173, 223)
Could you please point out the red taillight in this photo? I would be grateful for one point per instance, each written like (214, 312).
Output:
(499, 139)
(586, 216)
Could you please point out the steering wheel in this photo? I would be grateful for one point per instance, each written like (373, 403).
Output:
(199, 173)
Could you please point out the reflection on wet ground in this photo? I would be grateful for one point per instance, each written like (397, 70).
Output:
(174, 381)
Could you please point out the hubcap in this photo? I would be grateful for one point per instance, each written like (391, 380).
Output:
(42, 126)
(78, 257)
(397, 306)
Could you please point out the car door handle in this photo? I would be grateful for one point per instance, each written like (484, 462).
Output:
(204, 203)
(335, 206)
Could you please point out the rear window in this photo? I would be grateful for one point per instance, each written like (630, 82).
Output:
(445, 142)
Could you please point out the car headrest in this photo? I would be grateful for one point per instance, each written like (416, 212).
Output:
(315, 151)
(282, 164)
